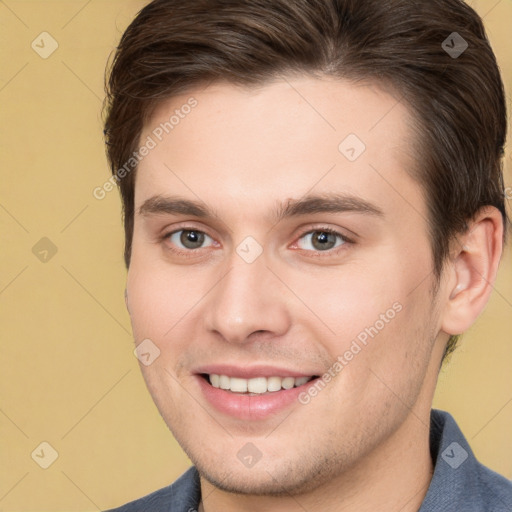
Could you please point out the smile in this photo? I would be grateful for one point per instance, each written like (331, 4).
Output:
(254, 398)
(256, 385)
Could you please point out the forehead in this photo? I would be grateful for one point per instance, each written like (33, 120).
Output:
(279, 140)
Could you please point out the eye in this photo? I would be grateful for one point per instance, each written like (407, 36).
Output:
(188, 238)
(322, 240)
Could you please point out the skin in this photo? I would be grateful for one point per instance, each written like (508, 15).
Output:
(362, 442)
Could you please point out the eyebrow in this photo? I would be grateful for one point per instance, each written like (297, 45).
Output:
(323, 203)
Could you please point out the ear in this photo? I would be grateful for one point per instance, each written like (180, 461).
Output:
(472, 270)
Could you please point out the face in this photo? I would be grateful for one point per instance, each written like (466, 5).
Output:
(277, 256)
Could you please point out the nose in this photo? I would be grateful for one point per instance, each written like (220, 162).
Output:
(248, 299)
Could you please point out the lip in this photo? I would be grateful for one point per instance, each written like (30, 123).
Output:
(250, 372)
(255, 407)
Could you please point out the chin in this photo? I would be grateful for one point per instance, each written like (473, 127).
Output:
(281, 478)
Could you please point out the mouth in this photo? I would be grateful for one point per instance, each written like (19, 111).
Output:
(253, 392)
(255, 386)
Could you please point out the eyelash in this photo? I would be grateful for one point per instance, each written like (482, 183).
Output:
(314, 254)
(329, 252)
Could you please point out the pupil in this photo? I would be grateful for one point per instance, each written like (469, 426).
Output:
(324, 237)
(191, 239)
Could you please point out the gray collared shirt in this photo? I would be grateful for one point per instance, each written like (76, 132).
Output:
(459, 484)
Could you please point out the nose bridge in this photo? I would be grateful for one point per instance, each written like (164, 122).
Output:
(247, 299)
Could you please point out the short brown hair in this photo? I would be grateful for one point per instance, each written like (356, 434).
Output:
(458, 101)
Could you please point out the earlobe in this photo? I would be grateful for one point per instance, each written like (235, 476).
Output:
(474, 268)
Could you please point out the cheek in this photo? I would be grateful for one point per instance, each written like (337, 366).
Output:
(379, 316)
(159, 296)
(345, 302)
(164, 305)
(158, 304)
(150, 303)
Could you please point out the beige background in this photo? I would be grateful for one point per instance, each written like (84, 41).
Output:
(68, 375)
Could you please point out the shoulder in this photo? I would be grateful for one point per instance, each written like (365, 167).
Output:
(495, 490)
(460, 481)
(183, 495)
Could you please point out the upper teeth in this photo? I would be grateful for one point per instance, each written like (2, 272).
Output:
(257, 384)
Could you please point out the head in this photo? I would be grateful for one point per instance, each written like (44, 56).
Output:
(279, 106)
